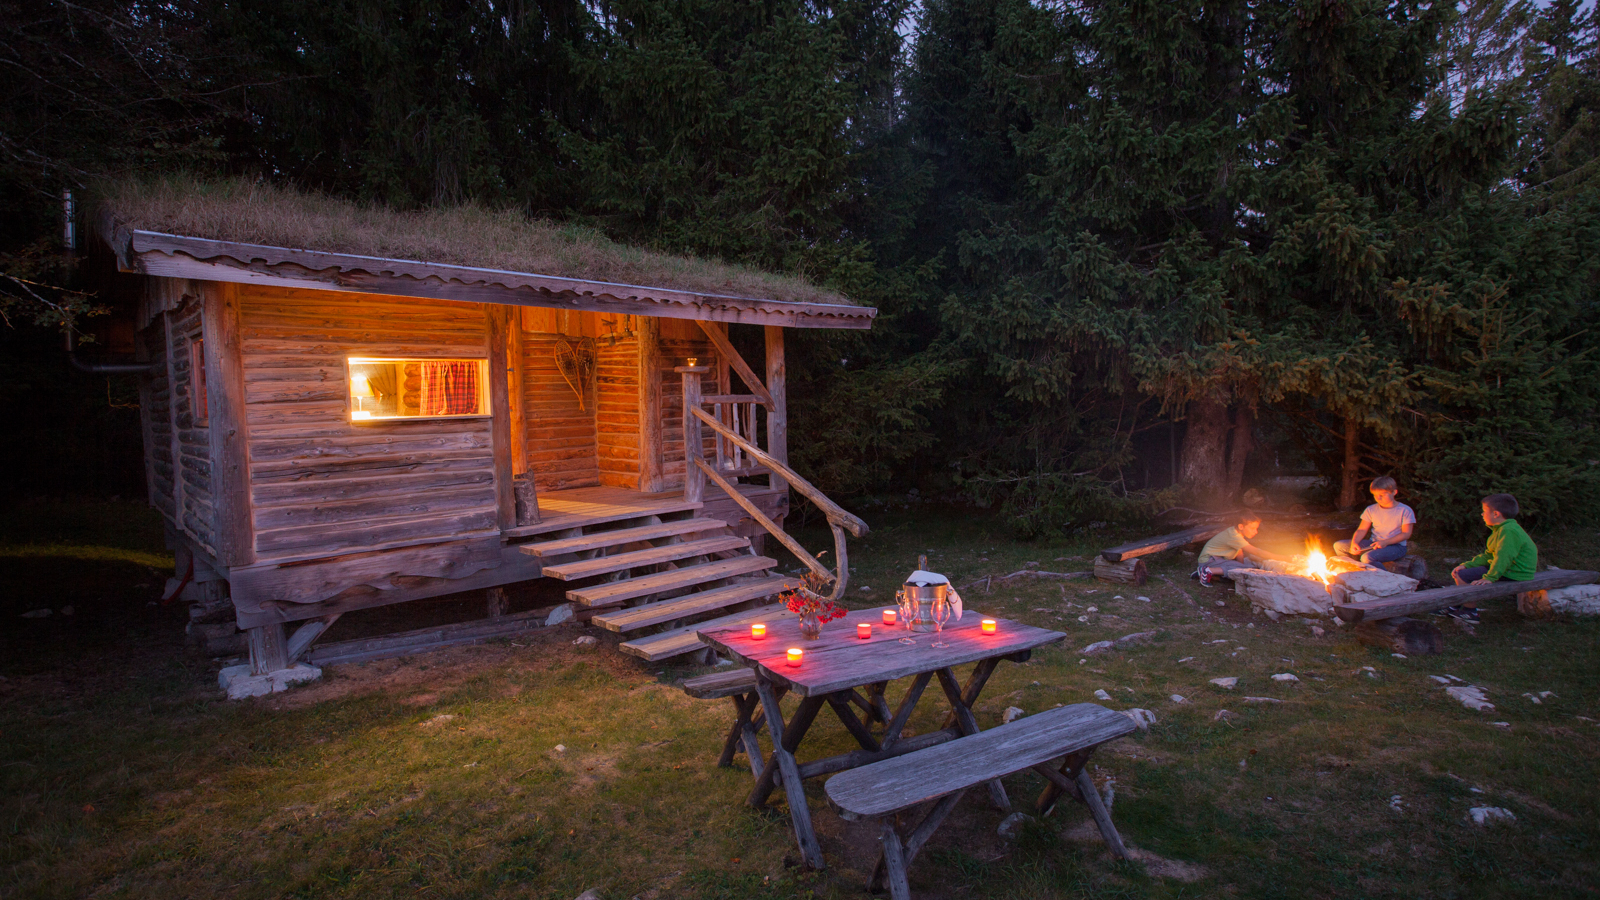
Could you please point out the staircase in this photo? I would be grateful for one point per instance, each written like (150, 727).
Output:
(648, 576)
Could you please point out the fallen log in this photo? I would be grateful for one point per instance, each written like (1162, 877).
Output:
(1130, 571)
(1439, 598)
(1157, 544)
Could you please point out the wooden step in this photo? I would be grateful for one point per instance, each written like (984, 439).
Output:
(600, 565)
(614, 592)
(600, 515)
(694, 604)
(620, 536)
(679, 641)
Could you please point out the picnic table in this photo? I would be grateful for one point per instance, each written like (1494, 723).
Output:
(839, 663)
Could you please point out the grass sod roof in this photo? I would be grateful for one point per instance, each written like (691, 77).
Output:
(248, 212)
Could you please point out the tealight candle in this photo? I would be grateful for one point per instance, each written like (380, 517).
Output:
(988, 625)
(758, 631)
(863, 630)
(888, 617)
(794, 655)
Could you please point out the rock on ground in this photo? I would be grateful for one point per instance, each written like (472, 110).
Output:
(1281, 593)
(1226, 684)
(1101, 695)
(1143, 718)
(1097, 647)
(1471, 696)
(1582, 600)
(1374, 583)
(1010, 825)
(1488, 815)
(1011, 714)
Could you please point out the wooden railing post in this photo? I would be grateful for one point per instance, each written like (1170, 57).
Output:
(694, 480)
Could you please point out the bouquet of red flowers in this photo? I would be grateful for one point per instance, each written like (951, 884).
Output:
(808, 599)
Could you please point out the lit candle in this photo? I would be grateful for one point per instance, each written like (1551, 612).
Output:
(888, 617)
(863, 630)
(794, 655)
(758, 631)
(988, 626)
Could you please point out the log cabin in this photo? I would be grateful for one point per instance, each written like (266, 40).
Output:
(345, 407)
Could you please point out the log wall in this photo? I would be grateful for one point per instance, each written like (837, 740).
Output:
(617, 411)
(191, 436)
(320, 484)
(561, 433)
(155, 414)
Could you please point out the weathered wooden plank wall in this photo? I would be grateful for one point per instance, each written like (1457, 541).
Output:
(320, 484)
(191, 435)
(617, 409)
(155, 413)
(680, 340)
(561, 435)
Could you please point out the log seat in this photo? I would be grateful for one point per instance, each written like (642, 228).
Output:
(1439, 598)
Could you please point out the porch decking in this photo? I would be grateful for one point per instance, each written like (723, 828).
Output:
(579, 507)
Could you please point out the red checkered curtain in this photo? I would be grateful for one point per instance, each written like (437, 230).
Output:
(450, 388)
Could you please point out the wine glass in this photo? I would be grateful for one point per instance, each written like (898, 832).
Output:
(941, 614)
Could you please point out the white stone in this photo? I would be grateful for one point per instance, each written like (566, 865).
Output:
(1097, 647)
(1010, 825)
(1011, 714)
(1226, 684)
(587, 640)
(239, 683)
(561, 748)
(1471, 696)
(1375, 583)
(1284, 676)
(1143, 718)
(590, 894)
(1262, 700)
(562, 613)
(1178, 698)
(1142, 599)
(1440, 678)
(1137, 637)
(1224, 715)
(1283, 594)
(1582, 600)
(1101, 695)
(436, 721)
(1488, 815)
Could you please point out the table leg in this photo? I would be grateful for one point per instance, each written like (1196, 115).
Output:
(785, 738)
(743, 705)
(1102, 816)
(879, 703)
(969, 725)
(852, 724)
(796, 729)
(894, 861)
(914, 839)
(974, 686)
(891, 735)
(1062, 782)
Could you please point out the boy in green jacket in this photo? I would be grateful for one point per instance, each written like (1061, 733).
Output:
(1510, 554)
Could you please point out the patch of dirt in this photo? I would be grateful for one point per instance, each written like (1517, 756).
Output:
(1086, 832)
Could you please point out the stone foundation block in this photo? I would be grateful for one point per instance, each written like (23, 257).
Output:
(239, 683)
(1582, 600)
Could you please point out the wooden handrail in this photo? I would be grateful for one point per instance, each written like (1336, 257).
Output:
(836, 515)
(763, 519)
(730, 398)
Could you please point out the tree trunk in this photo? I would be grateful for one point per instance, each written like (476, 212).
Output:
(1242, 442)
(1352, 465)
(1203, 467)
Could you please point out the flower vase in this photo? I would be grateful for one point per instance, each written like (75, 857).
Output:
(810, 626)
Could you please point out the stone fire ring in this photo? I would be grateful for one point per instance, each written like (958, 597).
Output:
(1290, 594)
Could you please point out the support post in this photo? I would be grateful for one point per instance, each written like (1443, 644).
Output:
(778, 414)
(497, 336)
(650, 463)
(230, 447)
(694, 480)
(269, 650)
(498, 603)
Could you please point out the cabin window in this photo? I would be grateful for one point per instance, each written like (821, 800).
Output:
(197, 377)
(387, 389)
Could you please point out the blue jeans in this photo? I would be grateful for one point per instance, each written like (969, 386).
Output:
(1391, 553)
(1468, 576)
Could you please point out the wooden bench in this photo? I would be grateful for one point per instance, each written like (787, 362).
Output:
(1122, 564)
(1439, 598)
(945, 772)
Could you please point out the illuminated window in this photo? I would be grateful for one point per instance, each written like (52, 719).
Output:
(388, 389)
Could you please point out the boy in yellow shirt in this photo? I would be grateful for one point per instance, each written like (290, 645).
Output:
(1231, 549)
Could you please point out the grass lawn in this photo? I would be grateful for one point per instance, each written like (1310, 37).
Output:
(122, 773)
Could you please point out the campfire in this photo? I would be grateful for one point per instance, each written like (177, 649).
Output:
(1312, 583)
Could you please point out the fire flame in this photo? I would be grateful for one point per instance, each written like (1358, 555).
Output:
(1317, 561)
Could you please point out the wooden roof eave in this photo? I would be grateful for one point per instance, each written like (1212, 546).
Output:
(177, 256)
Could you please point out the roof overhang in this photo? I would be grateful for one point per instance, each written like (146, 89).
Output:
(177, 256)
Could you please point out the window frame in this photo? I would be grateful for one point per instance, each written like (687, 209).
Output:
(353, 360)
